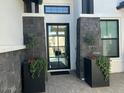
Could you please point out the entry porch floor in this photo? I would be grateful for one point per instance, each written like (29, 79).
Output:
(71, 84)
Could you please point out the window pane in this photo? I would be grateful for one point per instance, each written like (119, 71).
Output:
(61, 30)
(52, 52)
(61, 41)
(108, 29)
(57, 9)
(52, 30)
(110, 47)
(53, 41)
(103, 29)
(53, 59)
(62, 49)
(112, 29)
(48, 9)
(64, 61)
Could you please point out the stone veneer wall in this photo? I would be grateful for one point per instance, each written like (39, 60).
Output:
(10, 72)
(35, 26)
(84, 25)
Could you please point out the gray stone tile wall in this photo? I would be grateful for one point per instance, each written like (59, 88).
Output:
(35, 26)
(87, 25)
(10, 72)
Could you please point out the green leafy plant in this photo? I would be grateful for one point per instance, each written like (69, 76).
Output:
(37, 66)
(31, 41)
(104, 65)
(89, 39)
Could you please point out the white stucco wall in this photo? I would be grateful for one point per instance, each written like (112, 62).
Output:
(11, 34)
(66, 18)
(107, 10)
(77, 8)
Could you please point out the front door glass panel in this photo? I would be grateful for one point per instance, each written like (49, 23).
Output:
(58, 46)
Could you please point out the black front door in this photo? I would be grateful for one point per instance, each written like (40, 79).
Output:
(58, 46)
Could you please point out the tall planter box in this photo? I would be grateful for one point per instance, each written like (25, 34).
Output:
(30, 85)
(93, 75)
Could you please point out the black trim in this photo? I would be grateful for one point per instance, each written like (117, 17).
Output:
(36, 8)
(87, 6)
(28, 5)
(56, 6)
(37, 1)
(60, 73)
(118, 54)
(67, 24)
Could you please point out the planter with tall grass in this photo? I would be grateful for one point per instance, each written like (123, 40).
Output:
(97, 71)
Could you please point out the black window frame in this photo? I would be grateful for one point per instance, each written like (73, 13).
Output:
(87, 6)
(56, 6)
(118, 50)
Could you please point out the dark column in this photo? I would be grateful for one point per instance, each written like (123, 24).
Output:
(91, 6)
(27, 6)
(36, 8)
(84, 6)
(92, 26)
(87, 6)
(34, 26)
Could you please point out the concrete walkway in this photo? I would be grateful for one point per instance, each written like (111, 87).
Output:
(71, 84)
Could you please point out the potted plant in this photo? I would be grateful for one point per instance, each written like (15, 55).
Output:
(97, 71)
(33, 68)
(96, 67)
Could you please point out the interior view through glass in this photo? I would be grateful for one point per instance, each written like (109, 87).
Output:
(58, 46)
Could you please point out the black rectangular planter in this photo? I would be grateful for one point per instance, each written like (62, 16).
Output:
(93, 75)
(30, 85)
